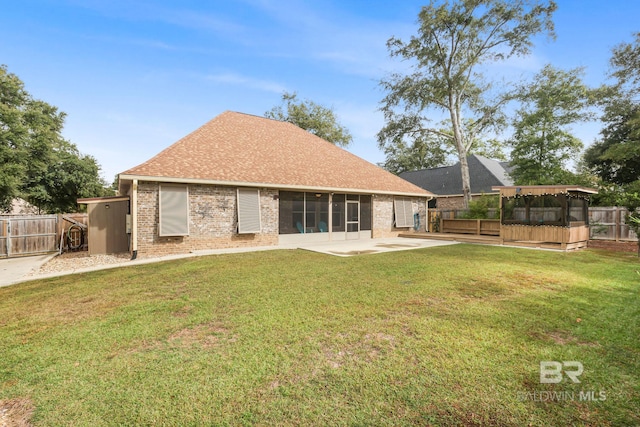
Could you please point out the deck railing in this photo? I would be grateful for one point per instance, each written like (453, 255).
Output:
(487, 227)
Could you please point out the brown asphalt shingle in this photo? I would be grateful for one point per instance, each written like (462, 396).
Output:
(251, 150)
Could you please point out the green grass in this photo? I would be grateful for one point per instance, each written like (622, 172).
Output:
(444, 336)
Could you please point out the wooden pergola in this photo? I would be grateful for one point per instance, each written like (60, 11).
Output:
(554, 216)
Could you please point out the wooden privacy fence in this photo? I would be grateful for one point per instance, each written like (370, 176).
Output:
(28, 235)
(33, 234)
(608, 223)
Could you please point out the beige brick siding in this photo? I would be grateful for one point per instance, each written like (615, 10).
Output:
(212, 221)
(383, 216)
(450, 202)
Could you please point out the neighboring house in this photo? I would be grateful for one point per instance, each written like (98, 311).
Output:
(242, 180)
(22, 207)
(446, 182)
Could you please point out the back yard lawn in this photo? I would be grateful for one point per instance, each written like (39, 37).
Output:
(444, 336)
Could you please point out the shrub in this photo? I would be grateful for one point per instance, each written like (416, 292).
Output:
(479, 208)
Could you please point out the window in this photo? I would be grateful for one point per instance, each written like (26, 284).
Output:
(303, 212)
(547, 210)
(308, 212)
(578, 210)
(404, 212)
(248, 211)
(556, 210)
(174, 210)
(365, 212)
(514, 211)
(291, 212)
(338, 213)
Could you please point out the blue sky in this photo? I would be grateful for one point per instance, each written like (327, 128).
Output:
(136, 76)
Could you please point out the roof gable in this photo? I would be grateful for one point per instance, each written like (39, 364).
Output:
(242, 149)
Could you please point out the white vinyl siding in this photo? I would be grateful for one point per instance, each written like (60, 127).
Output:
(404, 212)
(248, 211)
(174, 210)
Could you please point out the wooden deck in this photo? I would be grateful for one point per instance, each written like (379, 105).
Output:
(492, 240)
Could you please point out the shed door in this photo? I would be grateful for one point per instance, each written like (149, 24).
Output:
(107, 227)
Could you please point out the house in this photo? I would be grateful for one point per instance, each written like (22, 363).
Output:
(242, 180)
(446, 182)
(22, 207)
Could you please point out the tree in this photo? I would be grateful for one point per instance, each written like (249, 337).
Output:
(414, 150)
(454, 41)
(316, 119)
(625, 64)
(421, 153)
(69, 176)
(36, 162)
(542, 142)
(13, 133)
(630, 199)
(616, 157)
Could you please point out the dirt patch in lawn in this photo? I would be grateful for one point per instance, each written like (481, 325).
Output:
(16, 412)
(612, 245)
(206, 335)
(365, 349)
(563, 338)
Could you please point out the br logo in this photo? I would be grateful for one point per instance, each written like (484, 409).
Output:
(551, 371)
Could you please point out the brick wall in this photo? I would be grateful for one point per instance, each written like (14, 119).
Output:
(450, 202)
(383, 215)
(212, 221)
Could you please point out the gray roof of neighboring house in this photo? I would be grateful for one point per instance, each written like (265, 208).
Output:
(484, 173)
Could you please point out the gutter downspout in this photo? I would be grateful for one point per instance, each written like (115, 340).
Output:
(134, 220)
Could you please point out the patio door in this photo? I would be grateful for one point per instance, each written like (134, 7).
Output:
(353, 217)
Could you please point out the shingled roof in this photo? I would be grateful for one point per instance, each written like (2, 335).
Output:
(447, 181)
(245, 150)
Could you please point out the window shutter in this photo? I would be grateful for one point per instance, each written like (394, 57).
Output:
(404, 212)
(174, 210)
(248, 211)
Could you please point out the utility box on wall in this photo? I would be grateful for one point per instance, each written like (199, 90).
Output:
(107, 224)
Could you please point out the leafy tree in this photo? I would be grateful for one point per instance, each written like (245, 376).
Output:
(421, 153)
(316, 119)
(13, 133)
(542, 142)
(616, 157)
(414, 150)
(625, 64)
(70, 175)
(36, 162)
(454, 41)
(630, 199)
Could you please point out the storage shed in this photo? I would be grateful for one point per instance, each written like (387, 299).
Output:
(107, 224)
